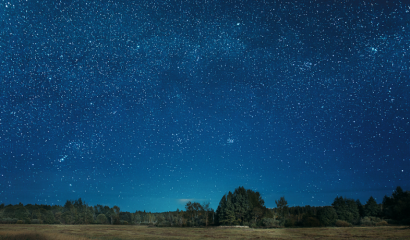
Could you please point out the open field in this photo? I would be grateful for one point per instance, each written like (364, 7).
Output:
(110, 232)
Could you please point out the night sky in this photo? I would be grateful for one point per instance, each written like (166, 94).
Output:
(150, 104)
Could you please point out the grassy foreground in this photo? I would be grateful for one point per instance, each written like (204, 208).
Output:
(109, 232)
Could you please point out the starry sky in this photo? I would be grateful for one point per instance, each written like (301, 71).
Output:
(150, 104)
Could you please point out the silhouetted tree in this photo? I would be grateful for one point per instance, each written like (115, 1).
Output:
(397, 206)
(282, 206)
(115, 215)
(230, 210)
(361, 208)
(220, 211)
(371, 208)
(241, 204)
(237, 207)
(257, 213)
(207, 212)
(346, 209)
(327, 216)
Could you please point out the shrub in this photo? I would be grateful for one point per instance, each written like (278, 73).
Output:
(366, 222)
(370, 221)
(382, 223)
(311, 222)
(290, 222)
(406, 221)
(391, 221)
(101, 219)
(8, 220)
(375, 219)
(164, 224)
(20, 222)
(269, 222)
(35, 221)
(115, 221)
(341, 223)
(253, 225)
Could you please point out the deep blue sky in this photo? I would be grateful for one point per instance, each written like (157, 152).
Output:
(149, 104)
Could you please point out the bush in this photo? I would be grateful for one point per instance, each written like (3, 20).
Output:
(123, 222)
(366, 222)
(269, 222)
(253, 225)
(290, 222)
(341, 223)
(405, 221)
(102, 219)
(19, 222)
(391, 221)
(8, 220)
(147, 224)
(311, 222)
(164, 224)
(382, 223)
(35, 221)
(370, 221)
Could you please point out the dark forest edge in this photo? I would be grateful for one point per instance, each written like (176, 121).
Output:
(242, 207)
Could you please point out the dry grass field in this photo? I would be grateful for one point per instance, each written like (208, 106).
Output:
(109, 232)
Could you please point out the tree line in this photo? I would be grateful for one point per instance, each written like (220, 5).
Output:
(241, 207)
(79, 212)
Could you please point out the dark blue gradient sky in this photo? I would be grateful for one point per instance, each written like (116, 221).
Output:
(150, 104)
